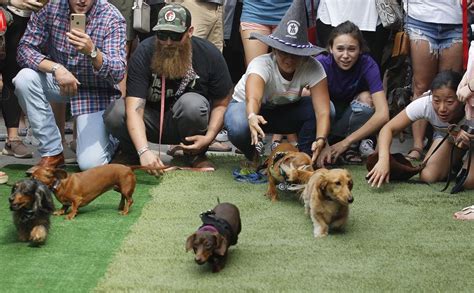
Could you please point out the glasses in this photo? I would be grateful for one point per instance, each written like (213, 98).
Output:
(165, 35)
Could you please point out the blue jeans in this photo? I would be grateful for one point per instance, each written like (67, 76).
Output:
(356, 115)
(290, 118)
(35, 90)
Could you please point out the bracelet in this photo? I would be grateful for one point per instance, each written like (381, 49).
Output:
(323, 138)
(251, 115)
(469, 87)
(143, 150)
(55, 67)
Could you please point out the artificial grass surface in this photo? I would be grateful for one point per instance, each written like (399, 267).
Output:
(401, 237)
(398, 238)
(76, 253)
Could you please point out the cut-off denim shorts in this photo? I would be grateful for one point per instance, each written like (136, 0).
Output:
(440, 36)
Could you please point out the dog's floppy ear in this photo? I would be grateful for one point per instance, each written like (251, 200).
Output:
(60, 173)
(323, 181)
(190, 241)
(221, 246)
(47, 203)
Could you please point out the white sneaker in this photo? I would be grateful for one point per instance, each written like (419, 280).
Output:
(366, 147)
(222, 136)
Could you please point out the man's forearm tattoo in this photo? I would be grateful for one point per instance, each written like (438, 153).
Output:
(141, 105)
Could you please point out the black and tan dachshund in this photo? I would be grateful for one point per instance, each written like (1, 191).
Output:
(32, 205)
(220, 229)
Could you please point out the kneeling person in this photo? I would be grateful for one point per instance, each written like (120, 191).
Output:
(192, 77)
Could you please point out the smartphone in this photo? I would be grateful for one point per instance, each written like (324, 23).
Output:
(78, 21)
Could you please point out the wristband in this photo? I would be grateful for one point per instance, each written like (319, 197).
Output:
(251, 115)
(469, 87)
(143, 150)
(322, 138)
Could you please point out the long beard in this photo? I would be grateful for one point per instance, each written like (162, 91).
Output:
(172, 61)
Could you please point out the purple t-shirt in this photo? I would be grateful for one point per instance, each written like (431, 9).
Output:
(344, 85)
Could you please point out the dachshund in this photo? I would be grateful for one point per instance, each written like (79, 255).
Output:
(79, 189)
(284, 155)
(326, 197)
(220, 229)
(32, 205)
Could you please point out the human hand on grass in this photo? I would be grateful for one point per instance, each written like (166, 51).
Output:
(379, 174)
(149, 159)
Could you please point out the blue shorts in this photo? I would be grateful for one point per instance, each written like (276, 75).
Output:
(440, 36)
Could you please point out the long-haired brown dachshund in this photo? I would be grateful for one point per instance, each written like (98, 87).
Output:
(79, 189)
(32, 205)
(285, 155)
(326, 197)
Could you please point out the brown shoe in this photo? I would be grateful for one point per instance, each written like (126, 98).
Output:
(125, 159)
(201, 161)
(56, 161)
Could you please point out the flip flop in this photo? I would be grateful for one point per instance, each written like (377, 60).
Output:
(466, 213)
(243, 175)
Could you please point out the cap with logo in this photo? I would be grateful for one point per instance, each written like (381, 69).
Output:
(173, 17)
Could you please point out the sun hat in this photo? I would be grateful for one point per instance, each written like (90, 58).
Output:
(173, 17)
(291, 34)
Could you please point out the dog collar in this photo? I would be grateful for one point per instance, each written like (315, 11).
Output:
(208, 228)
(56, 184)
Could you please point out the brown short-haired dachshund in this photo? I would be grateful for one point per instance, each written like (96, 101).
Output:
(220, 229)
(79, 189)
(32, 205)
(284, 155)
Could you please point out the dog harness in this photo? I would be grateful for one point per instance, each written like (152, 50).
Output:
(209, 220)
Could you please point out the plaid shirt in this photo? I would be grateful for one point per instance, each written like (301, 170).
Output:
(45, 38)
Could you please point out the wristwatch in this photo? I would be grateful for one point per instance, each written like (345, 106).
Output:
(93, 54)
(54, 68)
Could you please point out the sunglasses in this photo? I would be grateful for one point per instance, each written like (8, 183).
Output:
(164, 35)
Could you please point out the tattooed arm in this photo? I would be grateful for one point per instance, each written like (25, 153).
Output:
(135, 109)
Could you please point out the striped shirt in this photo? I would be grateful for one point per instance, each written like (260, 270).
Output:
(45, 38)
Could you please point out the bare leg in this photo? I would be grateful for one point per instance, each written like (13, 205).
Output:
(425, 67)
(253, 48)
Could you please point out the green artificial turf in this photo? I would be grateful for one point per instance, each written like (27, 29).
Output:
(76, 253)
(399, 238)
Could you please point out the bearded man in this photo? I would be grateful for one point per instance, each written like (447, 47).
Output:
(192, 76)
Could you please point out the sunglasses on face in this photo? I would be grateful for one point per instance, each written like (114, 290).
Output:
(164, 35)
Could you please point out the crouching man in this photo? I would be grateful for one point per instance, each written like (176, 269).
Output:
(192, 78)
(81, 66)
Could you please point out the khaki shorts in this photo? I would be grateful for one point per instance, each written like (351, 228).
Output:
(207, 20)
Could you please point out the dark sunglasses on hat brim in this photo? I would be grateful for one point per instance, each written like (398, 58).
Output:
(165, 35)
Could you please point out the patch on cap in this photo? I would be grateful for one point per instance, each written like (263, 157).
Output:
(292, 28)
(173, 17)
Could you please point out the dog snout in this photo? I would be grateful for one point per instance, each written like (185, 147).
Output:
(350, 199)
(199, 260)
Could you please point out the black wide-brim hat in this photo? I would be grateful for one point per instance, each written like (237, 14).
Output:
(291, 34)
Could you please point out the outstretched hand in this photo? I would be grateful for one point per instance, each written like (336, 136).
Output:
(379, 174)
(199, 144)
(32, 5)
(149, 159)
(255, 130)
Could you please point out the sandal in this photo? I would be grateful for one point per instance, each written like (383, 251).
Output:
(420, 156)
(3, 177)
(351, 157)
(466, 213)
(217, 146)
(245, 175)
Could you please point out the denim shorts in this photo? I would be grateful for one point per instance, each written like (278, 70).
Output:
(440, 36)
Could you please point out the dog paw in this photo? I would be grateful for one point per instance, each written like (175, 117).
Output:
(58, 212)
(38, 234)
(123, 213)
